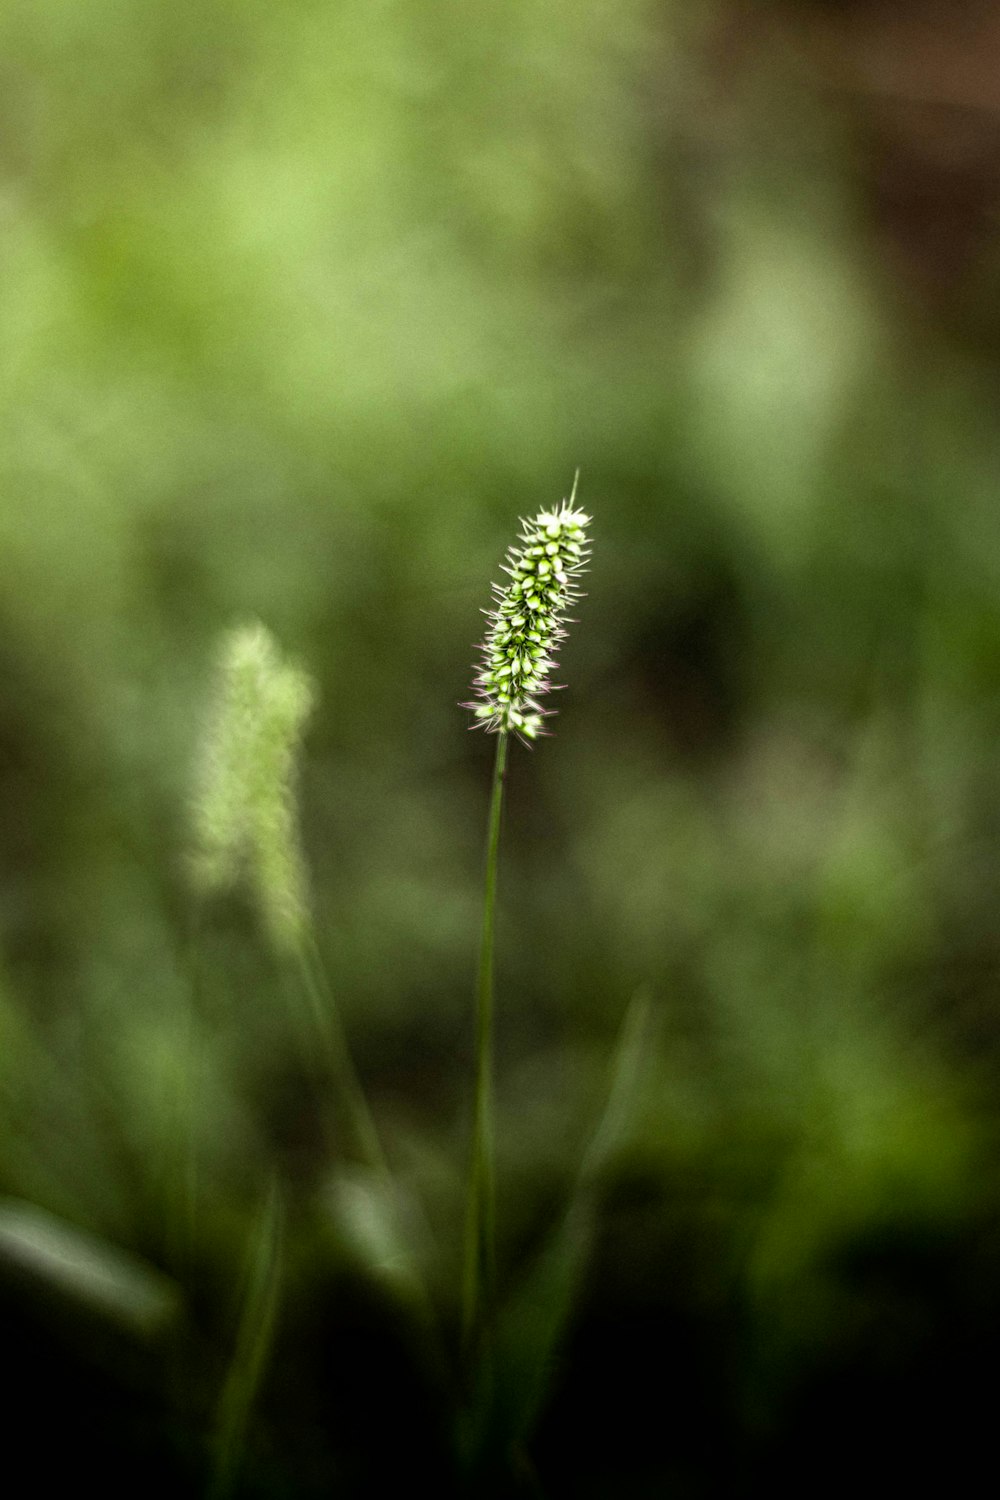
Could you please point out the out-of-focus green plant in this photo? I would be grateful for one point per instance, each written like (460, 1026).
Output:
(246, 823)
(245, 820)
(245, 813)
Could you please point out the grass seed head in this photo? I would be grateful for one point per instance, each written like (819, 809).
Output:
(526, 622)
(244, 809)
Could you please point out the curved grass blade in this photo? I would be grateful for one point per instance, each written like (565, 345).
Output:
(254, 1340)
(535, 1319)
(58, 1261)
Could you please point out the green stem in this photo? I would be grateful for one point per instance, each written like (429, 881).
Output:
(360, 1126)
(254, 1341)
(187, 1104)
(480, 1240)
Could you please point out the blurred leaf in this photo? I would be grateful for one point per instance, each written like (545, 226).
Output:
(374, 1227)
(59, 1260)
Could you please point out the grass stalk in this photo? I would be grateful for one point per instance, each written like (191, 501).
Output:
(254, 1341)
(480, 1241)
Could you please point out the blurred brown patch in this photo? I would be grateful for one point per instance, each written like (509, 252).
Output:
(915, 85)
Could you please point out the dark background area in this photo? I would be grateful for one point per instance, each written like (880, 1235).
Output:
(301, 307)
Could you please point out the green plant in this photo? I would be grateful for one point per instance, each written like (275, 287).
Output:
(245, 827)
(518, 652)
(244, 819)
(245, 830)
(526, 626)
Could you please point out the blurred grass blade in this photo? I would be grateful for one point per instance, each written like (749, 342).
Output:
(58, 1260)
(328, 1031)
(367, 1213)
(626, 1073)
(534, 1320)
(381, 1231)
(531, 1326)
(254, 1338)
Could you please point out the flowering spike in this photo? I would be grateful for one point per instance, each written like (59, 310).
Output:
(525, 627)
(244, 807)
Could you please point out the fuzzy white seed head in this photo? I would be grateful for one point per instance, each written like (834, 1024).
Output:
(525, 624)
(244, 809)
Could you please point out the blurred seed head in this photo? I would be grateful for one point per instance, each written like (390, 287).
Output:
(245, 807)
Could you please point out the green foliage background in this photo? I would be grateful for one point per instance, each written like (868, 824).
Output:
(301, 306)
